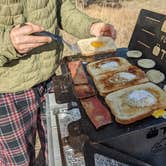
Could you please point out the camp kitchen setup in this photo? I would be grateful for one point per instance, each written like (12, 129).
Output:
(108, 109)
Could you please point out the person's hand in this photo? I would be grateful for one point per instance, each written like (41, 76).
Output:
(102, 29)
(22, 39)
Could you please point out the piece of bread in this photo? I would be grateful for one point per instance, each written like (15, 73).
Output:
(115, 80)
(77, 73)
(107, 64)
(96, 45)
(135, 103)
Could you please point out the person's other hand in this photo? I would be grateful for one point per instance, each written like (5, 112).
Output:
(102, 29)
(22, 39)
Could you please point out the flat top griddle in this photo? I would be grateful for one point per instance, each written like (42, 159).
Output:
(114, 129)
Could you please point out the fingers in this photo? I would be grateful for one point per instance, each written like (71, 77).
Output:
(27, 29)
(109, 30)
(102, 29)
(31, 39)
(22, 39)
(113, 34)
(25, 48)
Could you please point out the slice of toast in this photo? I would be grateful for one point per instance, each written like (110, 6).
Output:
(96, 45)
(107, 64)
(115, 80)
(135, 103)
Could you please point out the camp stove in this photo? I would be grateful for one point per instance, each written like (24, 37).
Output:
(72, 138)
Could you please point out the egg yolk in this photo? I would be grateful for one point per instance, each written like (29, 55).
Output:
(97, 44)
(158, 113)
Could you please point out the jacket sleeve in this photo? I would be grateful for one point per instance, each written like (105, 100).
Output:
(74, 21)
(7, 51)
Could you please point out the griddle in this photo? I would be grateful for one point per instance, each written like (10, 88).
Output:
(116, 128)
(149, 130)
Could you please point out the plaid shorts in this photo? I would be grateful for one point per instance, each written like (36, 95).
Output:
(21, 115)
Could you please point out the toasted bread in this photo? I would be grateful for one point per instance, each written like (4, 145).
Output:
(107, 64)
(96, 45)
(135, 103)
(115, 80)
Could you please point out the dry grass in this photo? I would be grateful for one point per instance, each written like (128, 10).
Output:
(123, 19)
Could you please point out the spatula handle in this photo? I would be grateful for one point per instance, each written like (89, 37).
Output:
(46, 33)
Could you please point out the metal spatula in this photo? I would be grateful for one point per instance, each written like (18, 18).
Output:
(73, 47)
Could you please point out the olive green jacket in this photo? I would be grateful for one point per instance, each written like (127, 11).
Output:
(19, 73)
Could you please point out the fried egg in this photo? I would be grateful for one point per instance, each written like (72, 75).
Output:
(141, 98)
(97, 44)
(159, 113)
(109, 65)
(122, 77)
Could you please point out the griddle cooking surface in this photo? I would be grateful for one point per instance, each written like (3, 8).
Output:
(114, 129)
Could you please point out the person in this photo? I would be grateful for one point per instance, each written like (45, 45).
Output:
(27, 65)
